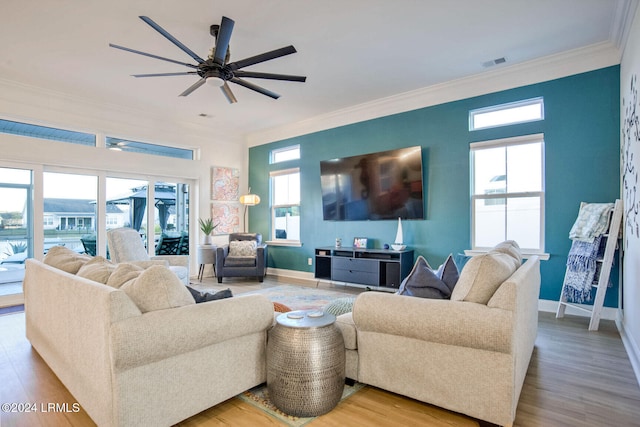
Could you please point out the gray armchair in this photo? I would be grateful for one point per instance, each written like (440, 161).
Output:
(244, 256)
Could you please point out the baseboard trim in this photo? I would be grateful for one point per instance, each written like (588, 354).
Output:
(632, 348)
(608, 313)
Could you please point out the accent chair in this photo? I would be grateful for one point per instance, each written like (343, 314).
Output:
(244, 256)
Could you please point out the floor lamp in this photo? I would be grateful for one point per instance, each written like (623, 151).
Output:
(248, 200)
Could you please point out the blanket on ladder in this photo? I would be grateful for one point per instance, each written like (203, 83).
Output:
(586, 235)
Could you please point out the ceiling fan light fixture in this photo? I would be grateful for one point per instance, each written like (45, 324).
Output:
(215, 81)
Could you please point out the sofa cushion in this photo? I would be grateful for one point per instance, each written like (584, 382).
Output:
(209, 296)
(482, 276)
(123, 273)
(242, 248)
(98, 269)
(424, 282)
(509, 247)
(65, 259)
(157, 288)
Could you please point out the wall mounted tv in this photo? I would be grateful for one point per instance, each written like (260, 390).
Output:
(376, 186)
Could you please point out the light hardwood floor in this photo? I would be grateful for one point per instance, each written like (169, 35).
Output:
(576, 378)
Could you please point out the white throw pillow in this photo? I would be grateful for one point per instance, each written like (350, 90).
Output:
(242, 248)
(97, 269)
(482, 275)
(123, 273)
(65, 259)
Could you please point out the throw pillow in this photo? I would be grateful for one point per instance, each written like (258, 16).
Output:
(122, 274)
(482, 276)
(98, 269)
(65, 259)
(242, 248)
(423, 282)
(157, 288)
(209, 296)
(509, 247)
(448, 272)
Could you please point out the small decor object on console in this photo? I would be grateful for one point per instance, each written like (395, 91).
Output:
(338, 242)
(397, 244)
(360, 242)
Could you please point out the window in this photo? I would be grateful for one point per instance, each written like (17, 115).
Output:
(507, 192)
(285, 154)
(507, 114)
(285, 205)
(120, 144)
(43, 132)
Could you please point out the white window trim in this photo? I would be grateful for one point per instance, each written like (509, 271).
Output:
(275, 151)
(509, 142)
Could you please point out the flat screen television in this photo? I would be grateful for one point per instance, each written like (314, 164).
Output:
(375, 186)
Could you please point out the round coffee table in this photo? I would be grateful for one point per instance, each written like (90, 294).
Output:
(305, 363)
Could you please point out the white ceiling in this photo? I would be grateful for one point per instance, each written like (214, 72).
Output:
(352, 51)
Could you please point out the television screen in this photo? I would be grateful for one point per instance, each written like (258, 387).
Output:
(375, 186)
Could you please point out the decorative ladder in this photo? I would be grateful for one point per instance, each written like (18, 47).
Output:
(605, 272)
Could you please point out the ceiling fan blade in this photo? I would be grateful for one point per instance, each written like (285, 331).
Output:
(228, 94)
(267, 56)
(193, 87)
(150, 55)
(270, 76)
(184, 73)
(222, 40)
(257, 88)
(172, 39)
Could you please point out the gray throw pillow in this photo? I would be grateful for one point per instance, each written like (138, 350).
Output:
(424, 282)
(209, 296)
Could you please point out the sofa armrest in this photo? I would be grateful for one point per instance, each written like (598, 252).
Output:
(161, 334)
(447, 322)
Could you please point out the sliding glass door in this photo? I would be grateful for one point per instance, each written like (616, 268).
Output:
(16, 229)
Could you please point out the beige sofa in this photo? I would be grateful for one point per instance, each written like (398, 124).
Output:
(467, 357)
(129, 368)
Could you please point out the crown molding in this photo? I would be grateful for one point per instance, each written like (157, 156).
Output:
(551, 67)
(622, 22)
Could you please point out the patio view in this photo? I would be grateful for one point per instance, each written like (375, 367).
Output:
(70, 216)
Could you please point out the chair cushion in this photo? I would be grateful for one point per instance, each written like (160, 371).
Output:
(240, 261)
(242, 248)
(65, 259)
(157, 288)
(98, 269)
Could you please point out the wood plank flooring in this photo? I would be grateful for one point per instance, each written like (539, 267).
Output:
(576, 378)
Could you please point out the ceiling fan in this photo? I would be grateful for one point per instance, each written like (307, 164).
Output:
(216, 69)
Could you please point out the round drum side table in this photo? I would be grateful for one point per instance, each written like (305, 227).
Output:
(305, 363)
(205, 254)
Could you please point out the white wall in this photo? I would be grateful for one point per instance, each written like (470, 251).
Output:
(630, 68)
(47, 108)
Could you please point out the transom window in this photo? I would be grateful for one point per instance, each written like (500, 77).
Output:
(528, 110)
(284, 154)
(507, 192)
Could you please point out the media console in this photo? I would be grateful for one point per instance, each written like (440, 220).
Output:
(369, 267)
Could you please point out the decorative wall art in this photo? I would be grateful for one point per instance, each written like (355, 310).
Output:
(225, 184)
(630, 150)
(225, 191)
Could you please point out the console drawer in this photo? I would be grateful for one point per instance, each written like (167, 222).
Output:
(355, 276)
(355, 264)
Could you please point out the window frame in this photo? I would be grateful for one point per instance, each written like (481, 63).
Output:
(273, 240)
(288, 148)
(507, 142)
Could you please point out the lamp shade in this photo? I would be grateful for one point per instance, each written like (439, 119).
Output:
(250, 199)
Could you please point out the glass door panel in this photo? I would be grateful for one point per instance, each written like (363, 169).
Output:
(16, 231)
(70, 211)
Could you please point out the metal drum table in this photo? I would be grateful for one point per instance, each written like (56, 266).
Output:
(305, 363)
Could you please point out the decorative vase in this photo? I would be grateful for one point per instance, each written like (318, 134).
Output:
(207, 239)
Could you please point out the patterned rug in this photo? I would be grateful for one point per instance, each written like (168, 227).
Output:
(259, 397)
(300, 297)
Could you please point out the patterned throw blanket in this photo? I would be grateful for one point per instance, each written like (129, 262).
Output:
(586, 233)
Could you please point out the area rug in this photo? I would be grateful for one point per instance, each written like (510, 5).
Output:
(259, 397)
(300, 297)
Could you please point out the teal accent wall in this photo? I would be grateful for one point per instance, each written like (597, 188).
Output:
(582, 157)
